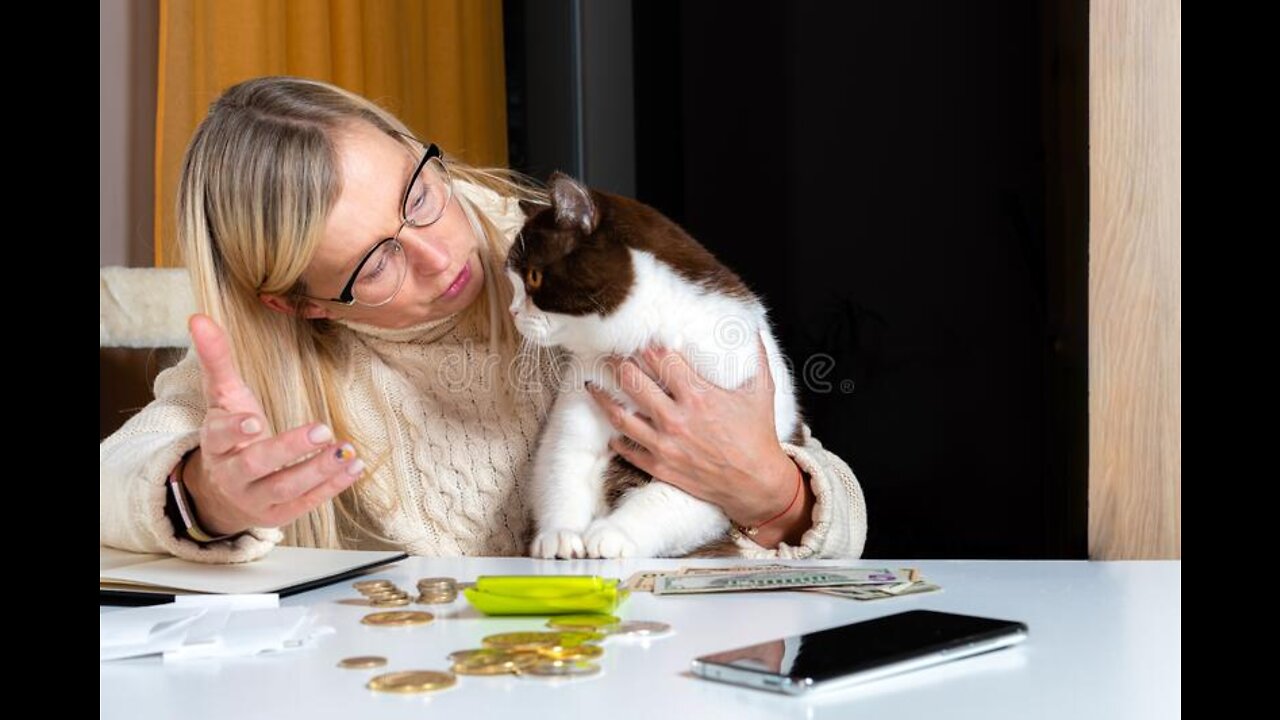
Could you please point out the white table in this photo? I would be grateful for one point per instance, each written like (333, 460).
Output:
(1105, 642)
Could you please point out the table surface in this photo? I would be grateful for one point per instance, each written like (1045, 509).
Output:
(1105, 641)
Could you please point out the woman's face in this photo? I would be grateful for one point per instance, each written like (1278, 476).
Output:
(443, 272)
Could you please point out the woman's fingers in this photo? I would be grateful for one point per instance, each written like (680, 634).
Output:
(297, 489)
(224, 432)
(262, 458)
(223, 386)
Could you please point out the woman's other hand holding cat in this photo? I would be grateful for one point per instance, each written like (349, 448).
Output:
(717, 445)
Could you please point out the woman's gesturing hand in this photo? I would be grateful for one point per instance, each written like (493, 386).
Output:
(242, 475)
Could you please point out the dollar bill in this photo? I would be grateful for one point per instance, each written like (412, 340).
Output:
(877, 593)
(775, 580)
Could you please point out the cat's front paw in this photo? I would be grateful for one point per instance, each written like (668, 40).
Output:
(566, 544)
(604, 539)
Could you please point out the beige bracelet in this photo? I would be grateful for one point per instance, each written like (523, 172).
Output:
(183, 501)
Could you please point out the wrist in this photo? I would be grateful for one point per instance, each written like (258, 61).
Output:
(186, 485)
(785, 497)
(792, 526)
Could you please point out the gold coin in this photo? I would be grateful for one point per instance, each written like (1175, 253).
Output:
(437, 598)
(363, 585)
(572, 652)
(641, 628)
(384, 594)
(562, 668)
(437, 582)
(494, 662)
(578, 637)
(482, 669)
(459, 655)
(390, 602)
(412, 681)
(583, 621)
(397, 618)
(361, 662)
(523, 640)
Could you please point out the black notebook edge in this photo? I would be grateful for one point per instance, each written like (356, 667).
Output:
(130, 598)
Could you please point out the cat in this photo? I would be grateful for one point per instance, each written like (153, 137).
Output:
(599, 274)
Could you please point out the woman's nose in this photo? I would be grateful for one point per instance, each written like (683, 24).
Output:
(427, 255)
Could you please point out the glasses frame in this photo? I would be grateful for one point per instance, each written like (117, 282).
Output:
(347, 296)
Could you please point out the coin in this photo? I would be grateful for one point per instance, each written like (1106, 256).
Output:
(583, 621)
(397, 618)
(478, 668)
(641, 628)
(460, 655)
(523, 640)
(412, 681)
(361, 662)
(495, 662)
(390, 602)
(440, 581)
(572, 652)
(578, 637)
(363, 585)
(562, 668)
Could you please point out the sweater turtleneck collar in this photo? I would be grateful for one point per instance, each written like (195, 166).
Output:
(421, 333)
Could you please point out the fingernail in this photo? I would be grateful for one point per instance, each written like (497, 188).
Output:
(320, 434)
(356, 467)
(345, 452)
(251, 426)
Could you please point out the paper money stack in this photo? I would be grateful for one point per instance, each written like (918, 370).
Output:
(857, 583)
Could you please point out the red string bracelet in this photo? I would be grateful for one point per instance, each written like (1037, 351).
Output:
(753, 531)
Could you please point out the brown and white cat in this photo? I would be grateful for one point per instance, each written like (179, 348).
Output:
(599, 274)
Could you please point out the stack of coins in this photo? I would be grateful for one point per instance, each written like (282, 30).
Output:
(382, 593)
(437, 591)
(535, 654)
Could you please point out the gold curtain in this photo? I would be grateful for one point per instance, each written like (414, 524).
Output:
(437, 64)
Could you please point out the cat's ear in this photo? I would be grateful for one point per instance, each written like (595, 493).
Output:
(530, 208)
(572, 201)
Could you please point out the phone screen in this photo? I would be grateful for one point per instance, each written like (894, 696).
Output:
(850, 650)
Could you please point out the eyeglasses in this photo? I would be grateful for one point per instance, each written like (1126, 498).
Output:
(380, 273)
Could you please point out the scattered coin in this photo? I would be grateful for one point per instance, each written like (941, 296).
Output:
(572, 652)
(361, 662)
(641, 628)
(576, 622)
(397, 618)
(562, 668)
(412, 681)
(522, 640)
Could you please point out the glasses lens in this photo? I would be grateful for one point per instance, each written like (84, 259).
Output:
(429, 195)
(381, 276)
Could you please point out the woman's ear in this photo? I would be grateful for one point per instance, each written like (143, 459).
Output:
(308, 310)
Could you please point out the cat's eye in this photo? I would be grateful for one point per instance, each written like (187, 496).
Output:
(533, 276)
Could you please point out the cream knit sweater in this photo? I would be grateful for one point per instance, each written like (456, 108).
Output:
(462, 459)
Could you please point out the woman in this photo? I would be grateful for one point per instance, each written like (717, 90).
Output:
(355, 380)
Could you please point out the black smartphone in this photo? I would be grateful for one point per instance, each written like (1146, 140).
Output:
(860, 652)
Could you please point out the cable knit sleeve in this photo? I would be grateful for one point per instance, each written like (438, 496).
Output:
(839, 512)
(134, 462)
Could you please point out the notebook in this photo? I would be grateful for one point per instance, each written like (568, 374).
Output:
(128, 578)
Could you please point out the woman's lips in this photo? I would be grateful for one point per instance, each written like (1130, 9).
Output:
(459, 283)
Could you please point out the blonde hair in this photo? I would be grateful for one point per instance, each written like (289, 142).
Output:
(258, 180)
